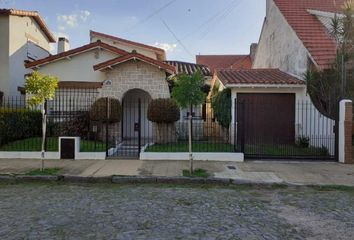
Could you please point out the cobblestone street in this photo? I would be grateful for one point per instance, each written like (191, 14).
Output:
(51, 211)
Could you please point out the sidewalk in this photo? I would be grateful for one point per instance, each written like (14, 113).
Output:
(307, 173)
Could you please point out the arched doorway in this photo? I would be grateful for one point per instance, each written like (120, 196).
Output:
(136, 128)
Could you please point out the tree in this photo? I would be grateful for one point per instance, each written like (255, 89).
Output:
(326, 87)
(164, 112)
(188, 93)
(41, 88)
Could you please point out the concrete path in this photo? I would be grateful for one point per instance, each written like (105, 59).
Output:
(318, 173)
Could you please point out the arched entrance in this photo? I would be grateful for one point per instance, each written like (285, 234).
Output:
(136, 128)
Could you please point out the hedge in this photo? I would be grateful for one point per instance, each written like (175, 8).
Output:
(98, 111)
(76, 126)
(163, 110)
(221, 104)
(16, 124)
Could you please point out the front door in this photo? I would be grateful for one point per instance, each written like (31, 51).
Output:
(136, 130)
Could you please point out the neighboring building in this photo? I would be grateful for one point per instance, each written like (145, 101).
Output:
(215, 62)
(296, 35)
(24, 37)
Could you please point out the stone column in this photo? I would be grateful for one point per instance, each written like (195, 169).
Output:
(345, 132)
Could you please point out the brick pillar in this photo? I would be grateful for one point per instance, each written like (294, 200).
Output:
(345, 132)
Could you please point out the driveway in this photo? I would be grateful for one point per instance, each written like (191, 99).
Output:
(59, 211)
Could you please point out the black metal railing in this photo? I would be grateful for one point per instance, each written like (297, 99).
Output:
(260, 129)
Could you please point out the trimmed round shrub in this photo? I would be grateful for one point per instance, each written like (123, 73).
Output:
(98, 111)
(163, 110)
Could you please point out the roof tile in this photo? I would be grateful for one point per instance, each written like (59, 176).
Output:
(215, 62)
(256, 76)
(189, 68)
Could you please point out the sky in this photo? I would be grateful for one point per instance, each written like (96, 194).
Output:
(184, 28)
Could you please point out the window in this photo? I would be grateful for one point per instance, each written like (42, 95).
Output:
(35, 52)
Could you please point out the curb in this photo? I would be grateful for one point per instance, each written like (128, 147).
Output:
(133, 180)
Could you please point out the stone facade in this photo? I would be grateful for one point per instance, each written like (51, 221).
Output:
(279, 46)
(136, 75)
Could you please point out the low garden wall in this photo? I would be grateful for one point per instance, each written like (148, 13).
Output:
(184, 156)
(52, 155)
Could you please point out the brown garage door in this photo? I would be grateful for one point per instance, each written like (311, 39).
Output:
(266, 118)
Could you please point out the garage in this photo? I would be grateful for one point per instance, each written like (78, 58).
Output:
(266, 118)
(272, 116)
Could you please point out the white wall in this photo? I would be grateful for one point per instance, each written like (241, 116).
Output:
(22, 30)
(279, 46)
(79, 67)
(126, 47)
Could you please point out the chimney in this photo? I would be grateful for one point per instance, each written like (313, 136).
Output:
(253, 50)
(63, 45)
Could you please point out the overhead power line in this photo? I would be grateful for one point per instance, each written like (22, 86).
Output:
(175, 36)
(154, 13)
(219, 14)
(224, 15)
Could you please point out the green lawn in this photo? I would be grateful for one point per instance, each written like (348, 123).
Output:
(45, 172)
(284, 150)
(201, 173)
(197, 147)
(271, 150)
(34, 145)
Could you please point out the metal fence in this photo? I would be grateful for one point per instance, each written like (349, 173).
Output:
(261, 130)
(70, 114)
(67, 115)
(135, 133)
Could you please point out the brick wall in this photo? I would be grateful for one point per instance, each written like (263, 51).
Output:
(348, 133)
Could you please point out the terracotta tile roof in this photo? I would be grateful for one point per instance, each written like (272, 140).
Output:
(189, 68)
(36, 17)
(75, 51)
(126, 41)
(134, 56)
(215, 62)
(79, 85)
(256, 76)
(309, 29)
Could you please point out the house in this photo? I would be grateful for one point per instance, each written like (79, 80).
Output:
(24, 37)
(108, 66)
(295, 37)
